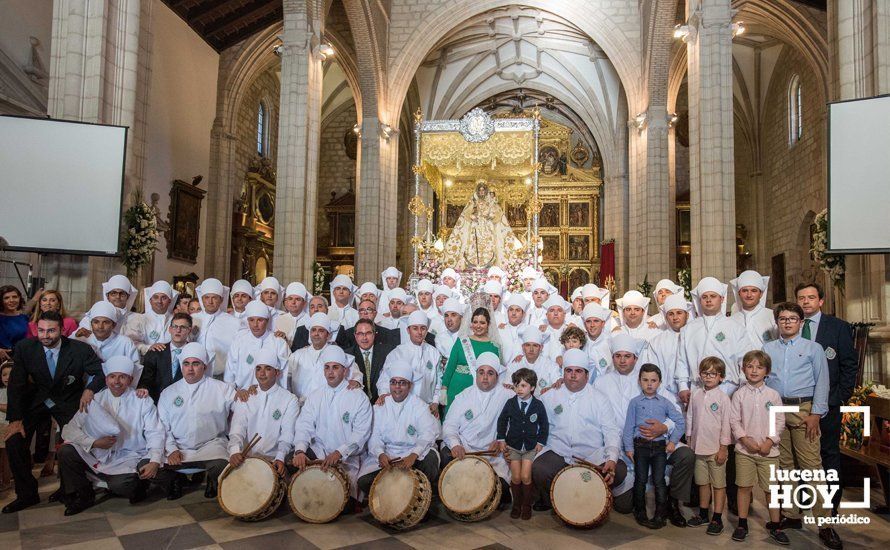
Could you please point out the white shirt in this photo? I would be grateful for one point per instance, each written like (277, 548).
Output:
(511, 341)
(445, 340)
(642, 332)
(240, 361)
(424, 359)
(399, 430)
(548, 371)
(307, 372)
(195, 417)
(272, 414)
(472, 422)
(388, 321)
(599, 354)
(665, 351)
(553, 348)
(141, 433)
(216, 332)
(346, 316)
(153, 329)
(719, 336)
(581, 425)
(759, 323)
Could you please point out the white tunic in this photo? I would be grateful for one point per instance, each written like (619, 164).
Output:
(335, 419)
(665, 351)
(240, 361)
(307, 372)
(424, 359)
(472, 422)
(216, 332)
(548, 371)
(288, 324)
(113, 346)
(195, 417)
(271, 414)
(719, 336)
(141, 433)
(399, 430)
(581, 425)
(129, 324)
(346, 317)
(553, 348)
(642, 332)
(759, 323)
(386, 320)
(445, 340)
(511, 342)
(153, 330)
(599, 355)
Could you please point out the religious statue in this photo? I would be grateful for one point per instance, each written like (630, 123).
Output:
(482, 236)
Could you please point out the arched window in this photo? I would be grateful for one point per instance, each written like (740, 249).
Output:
(261, 129)
(795, 111)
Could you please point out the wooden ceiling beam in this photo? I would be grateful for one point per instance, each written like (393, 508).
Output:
(250, 29)
(245, 15)
(208, 11)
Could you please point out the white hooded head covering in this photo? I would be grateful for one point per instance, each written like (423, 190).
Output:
(366, 288)
(390, 272)
(593, 309)
(576, 358)
(105, 309)
(397, 293)
(213, 286)
(120, 282)
(632, 298)
(556, 300)
(675, 301)
(418, 317)
(517, 300)
(194, 350)
(267, 356)
(442, 290)
(541, 283)
(119, 363)
(709, 284)
(242, 286)
(528, 272)
(749, 278)
(297, 289)
(403, 369)
(621, 341)
(424, 285)
(495, 271)
(493, 287)
(489, 359)
(271, 283)
(666, 284)
(319, 320)
(452, 305)
(335, 354)
(533, 335)
(160, 287)
(576, 294)
(257, 308)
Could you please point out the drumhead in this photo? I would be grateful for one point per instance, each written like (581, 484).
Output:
(466, 485)
(317, 495)
(392, 493)
(579, 495)
(248, 488)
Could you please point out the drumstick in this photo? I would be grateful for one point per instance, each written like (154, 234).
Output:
(586, 463)
(483, 453)
(254, 440)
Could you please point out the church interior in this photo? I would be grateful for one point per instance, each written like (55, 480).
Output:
(304, 139)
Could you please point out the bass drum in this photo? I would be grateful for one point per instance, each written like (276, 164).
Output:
(400, 498)
(317, 496)
(252, 491)
(580, 496)
(469, 489)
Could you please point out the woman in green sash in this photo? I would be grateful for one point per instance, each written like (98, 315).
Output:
(460, 372)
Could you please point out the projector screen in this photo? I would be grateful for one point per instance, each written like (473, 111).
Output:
(64, 185)
(859, 176)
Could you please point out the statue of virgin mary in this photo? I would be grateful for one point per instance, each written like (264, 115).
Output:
(482, 237)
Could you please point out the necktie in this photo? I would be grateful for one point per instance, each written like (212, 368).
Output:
(51, 363)
(806, 329)
(175, 365)
(367, 358)
(524, 406)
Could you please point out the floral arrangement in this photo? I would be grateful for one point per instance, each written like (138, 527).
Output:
(832, 264)
(429, 267)
(141, 236)
(852, 423)
(645, 287)
(684, 279)
(318, 278)
(514, 268)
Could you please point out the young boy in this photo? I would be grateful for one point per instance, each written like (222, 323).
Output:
(708, 434)
(755, 449)
(522, 433)
(652, 453)
(571, 338)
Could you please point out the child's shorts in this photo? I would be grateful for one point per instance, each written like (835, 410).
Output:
(753, 470)
(514, 454)
(708, 472)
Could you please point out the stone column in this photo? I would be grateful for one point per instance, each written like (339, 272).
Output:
(377, 198)
(615, 223)
(649, 199)
(298, 137)
(711, 162)
(100, 64)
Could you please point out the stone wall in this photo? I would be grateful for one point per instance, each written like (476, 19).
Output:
(336, 171)
(266, 88)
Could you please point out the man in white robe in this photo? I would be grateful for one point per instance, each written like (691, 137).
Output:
(495, 291)
(389, 317)
(195, 413)
(119, 439)
(160, 299)
(271, 412)
(532, 343)
(441, 294)
(271, 293)
(451, 279)
(541, 291)
(422, 357)
(241, 359)
(471, 424)
(105, 340)
(554, 324)
(666, 349)
(423, 293)
(592, 294)
(618, 387)
(306, 365)
(633, 317)
(599, 355)
(119, 292)
(367, 291)
(241, 294)
(215, 329)
(390, 279)
(342, 311)
(582, 426)
(528, 275)
(404, 433)
(511, 340)
(334, 423)
(295, 315)
(448, 325)
(663, 289)
(712, 333)
(750, 309)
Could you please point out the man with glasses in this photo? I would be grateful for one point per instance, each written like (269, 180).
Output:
(800, 375)
(162, 367)
(369, 352)
(367, 309)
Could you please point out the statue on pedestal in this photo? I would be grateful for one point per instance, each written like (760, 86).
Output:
(482, 236)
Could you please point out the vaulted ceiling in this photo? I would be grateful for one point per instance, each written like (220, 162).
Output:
(223, 23)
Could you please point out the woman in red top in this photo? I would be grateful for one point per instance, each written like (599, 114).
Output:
(51, 300)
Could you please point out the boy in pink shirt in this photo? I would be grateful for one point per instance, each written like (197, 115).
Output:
(755, 449)
(708, 434)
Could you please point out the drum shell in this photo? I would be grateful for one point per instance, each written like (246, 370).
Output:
(600, 517)
(489, 503)
(268, 507)
(338, 474)
(417, 506)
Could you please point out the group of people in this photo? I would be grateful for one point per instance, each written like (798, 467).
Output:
(381, 377)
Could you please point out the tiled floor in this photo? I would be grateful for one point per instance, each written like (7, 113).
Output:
(194, 522)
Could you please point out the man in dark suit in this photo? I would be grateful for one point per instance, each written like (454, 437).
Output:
(367, 348)
(161, 366)
(48, 379)
(836, 338)
(368, 310)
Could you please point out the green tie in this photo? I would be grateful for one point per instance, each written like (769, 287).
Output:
(806, 329)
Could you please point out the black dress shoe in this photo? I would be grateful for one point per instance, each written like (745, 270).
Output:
(57, 496)
(19, 504)
(210, 490)
(791, 523)
(540, 506)
(643, 520)
(830, 539)
(174, 490)
(140, 493)
(78, 505)
(675, 515)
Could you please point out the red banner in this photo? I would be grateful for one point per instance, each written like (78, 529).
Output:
(607, 263)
